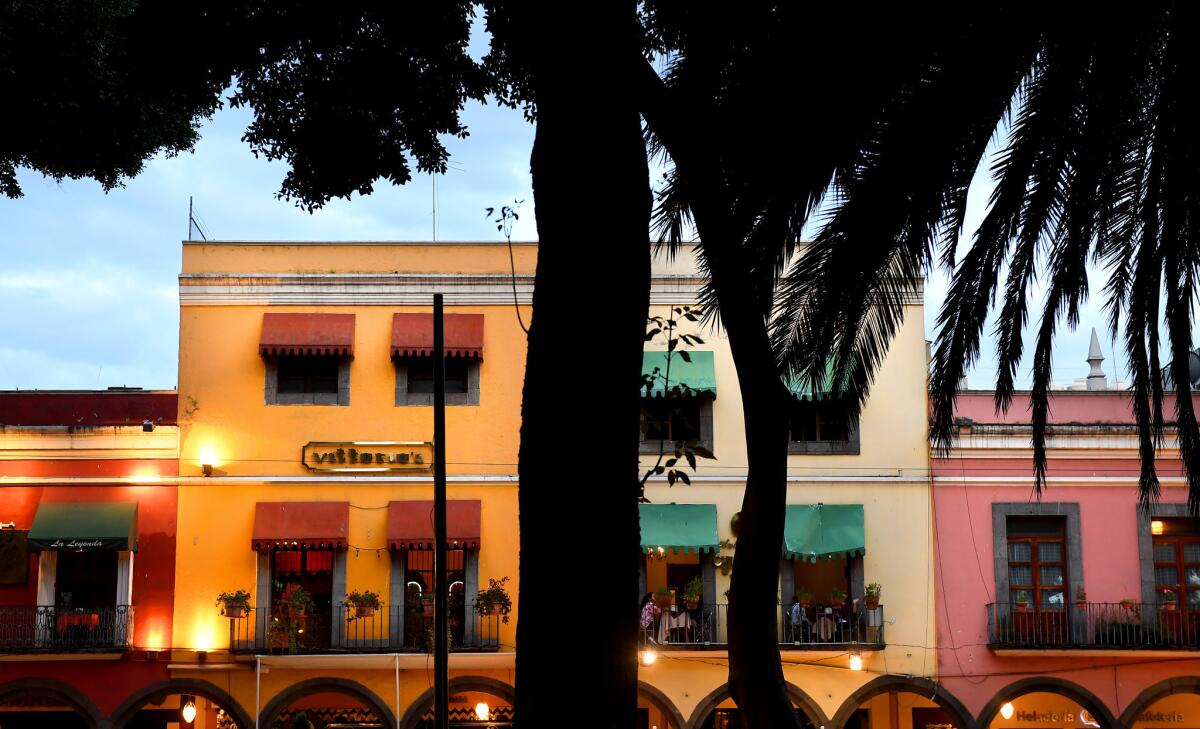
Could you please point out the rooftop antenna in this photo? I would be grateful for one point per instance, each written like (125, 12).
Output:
(194, 224)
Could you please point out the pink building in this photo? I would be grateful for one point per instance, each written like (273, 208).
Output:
(1053, 611)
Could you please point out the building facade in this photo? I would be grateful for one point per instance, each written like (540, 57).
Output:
(1075, 609)
(300, 489)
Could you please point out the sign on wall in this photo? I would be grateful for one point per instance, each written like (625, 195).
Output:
(367, 456)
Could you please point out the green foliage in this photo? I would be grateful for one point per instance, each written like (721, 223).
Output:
(804, 595)
(237, 598)
(873, 590)
(365, 598)
(494, 599)
(693, 589)
(673, 391)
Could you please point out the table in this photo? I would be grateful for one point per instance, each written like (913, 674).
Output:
(670, 621)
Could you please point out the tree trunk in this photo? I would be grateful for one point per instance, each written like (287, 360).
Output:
(578, 463)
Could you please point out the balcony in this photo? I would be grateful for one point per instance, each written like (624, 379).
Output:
(706, 629)
(1103, 626)
(347, 631)
(47, 629)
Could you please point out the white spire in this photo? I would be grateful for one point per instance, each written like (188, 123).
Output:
(1096, 379)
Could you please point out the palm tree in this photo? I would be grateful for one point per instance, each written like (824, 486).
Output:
(1099, 165)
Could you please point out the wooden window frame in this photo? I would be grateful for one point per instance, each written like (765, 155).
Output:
(702, 447)
(425, 399)
(272, 396)
(849, 446)
(1180, 566)
(1035, 563)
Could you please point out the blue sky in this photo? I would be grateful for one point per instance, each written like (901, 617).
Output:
(88, 283)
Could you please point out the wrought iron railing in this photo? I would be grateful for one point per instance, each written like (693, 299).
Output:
(822, 626)
(45, 628)
(809, 628)
(347, 629)
(1110, 625)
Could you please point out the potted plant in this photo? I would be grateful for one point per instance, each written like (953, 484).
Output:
(837, 596)
(365, 603)
(494, 600)
(234, 604)
(1022, 600)
(1081, 598)
(663, 598)
(805, 597)
(872, 594)
(1167, 598)
(692, 591)
(296, 601)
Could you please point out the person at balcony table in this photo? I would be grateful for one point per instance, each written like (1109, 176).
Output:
(649, 613)
(798, 620)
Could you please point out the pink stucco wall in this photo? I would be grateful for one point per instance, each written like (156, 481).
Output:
(965, 569)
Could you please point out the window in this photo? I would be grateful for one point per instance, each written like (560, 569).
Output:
(822, 427)
(671, 422)
(1177, 561)
(414, 381)
(86, 580)
(1037, 569)
(312, 571)
(418, 592)
(308, 380)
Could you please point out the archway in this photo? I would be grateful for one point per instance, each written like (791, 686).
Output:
(660, 711)
(467, 694)
(325, 701)
(890, 697)
(1173, 702)
(719, 709)
(164, 702)
(31, 703)
(1048, 702)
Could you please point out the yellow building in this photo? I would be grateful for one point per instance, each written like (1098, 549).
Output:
(304, 421)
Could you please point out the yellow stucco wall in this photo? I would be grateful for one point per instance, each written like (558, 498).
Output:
(222, 411)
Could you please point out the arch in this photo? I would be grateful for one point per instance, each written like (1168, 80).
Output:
(482, 684)
(1160, 690)
(70, 696)
(663, 703)
(354, 689)
(156, 692)
(722, 692)
(1048, 684)
(921, 686)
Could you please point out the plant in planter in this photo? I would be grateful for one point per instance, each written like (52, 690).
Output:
(1167, 598)
(663, 598)
(427, 638)
(1022, 601)
(837, 597)
(234, 604)
(692, 591)
(1081, 598)
(494, 600)
(805, 597)
(871, 595)
(365, 603)
(296, 601)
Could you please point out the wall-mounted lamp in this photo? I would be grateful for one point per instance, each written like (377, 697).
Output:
(1007, 710)
(1157, 527)
(189, 709)
(647, 657)
(206, 468)
(147, 426)
(483, 712)
(855, 661)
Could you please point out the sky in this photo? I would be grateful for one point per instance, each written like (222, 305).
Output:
(88, 295)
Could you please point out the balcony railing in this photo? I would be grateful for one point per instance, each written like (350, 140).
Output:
(815, 629)
(1095, 625)
(387, 629)
(47, 629)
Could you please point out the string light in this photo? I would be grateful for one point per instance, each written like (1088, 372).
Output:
(1007, 710)
(856, 663)
(648, 657)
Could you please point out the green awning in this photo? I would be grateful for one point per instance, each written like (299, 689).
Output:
(679, 527)
(698, 374)
(824, 531)
(85, 526)
(806, 391)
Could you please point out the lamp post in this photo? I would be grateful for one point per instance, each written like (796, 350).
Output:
(441, 674)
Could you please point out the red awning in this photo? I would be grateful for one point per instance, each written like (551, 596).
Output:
(307, 334)
(410, 524)
(296, 524)
(412, 335)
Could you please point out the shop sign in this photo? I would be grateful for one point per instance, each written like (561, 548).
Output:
(1162, 717)
(367, 456)
(1057, 717)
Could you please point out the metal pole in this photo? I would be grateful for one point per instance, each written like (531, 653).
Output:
(441, 673)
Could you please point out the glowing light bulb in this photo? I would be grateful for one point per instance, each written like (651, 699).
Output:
(648, 657)
(1007, 710)
(189, 712)
(483, 712)
(855, 661)
(1157, 527)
